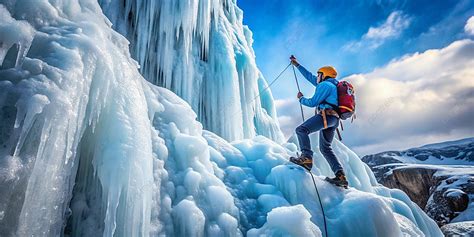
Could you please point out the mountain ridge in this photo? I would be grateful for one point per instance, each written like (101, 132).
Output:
(458, 152)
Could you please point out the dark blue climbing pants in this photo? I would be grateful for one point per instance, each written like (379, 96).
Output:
(326, 136)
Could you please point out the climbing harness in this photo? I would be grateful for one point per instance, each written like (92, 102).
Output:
(324, 113)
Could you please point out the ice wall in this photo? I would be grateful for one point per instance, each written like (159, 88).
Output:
(88, 147)
(62, 105)
(201, 51)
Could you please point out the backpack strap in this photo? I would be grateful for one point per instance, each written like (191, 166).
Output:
(338, 134)
(335, 107)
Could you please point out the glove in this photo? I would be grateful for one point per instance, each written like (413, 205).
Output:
(293, 61)
(299, 95)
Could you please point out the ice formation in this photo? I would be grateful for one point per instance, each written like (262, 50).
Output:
(201, 51)
(88, 147)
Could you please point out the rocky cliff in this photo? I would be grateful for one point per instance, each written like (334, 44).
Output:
(438, 177)
(442, 191)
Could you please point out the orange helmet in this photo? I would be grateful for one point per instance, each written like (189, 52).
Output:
(328, 71)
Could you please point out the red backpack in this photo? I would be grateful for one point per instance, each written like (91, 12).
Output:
(346, 99)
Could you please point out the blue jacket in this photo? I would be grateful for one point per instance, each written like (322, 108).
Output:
(324, 91)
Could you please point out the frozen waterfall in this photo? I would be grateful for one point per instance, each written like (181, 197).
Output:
(201, 51)
(88, 147)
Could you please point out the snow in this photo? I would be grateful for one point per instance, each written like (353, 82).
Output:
(459, 229)
(448, 170)
(461, 177)
(448, 143)
(454, 193)
(441, 170)
(457, 152)
(431, 160)
(89, 147)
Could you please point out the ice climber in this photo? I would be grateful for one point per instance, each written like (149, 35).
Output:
(326, 120)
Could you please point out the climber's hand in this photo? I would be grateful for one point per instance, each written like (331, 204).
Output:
(293, 60)
(299, 95)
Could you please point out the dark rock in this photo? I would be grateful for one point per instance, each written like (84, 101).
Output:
(458, 200)
(377, 159)
(415, 182)
(443, 191)
(442, 197)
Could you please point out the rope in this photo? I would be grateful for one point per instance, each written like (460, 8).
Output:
(309, 171)
(271, 83)
(260, 92)
(298, 85)
(320, 204)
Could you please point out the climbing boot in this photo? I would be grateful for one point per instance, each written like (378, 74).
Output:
(339, 180)
(306, 162)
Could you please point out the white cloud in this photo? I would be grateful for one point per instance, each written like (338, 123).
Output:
(417, 99)
(281, 103)
(289, 115)
(420, 98)
(392, 28)
(469, 27)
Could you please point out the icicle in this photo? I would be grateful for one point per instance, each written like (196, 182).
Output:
(13, 32)
(27, 109)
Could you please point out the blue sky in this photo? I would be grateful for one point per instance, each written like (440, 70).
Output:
(317, 31)
(357, 37)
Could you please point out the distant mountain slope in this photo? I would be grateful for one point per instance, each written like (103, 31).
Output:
(460, 152)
